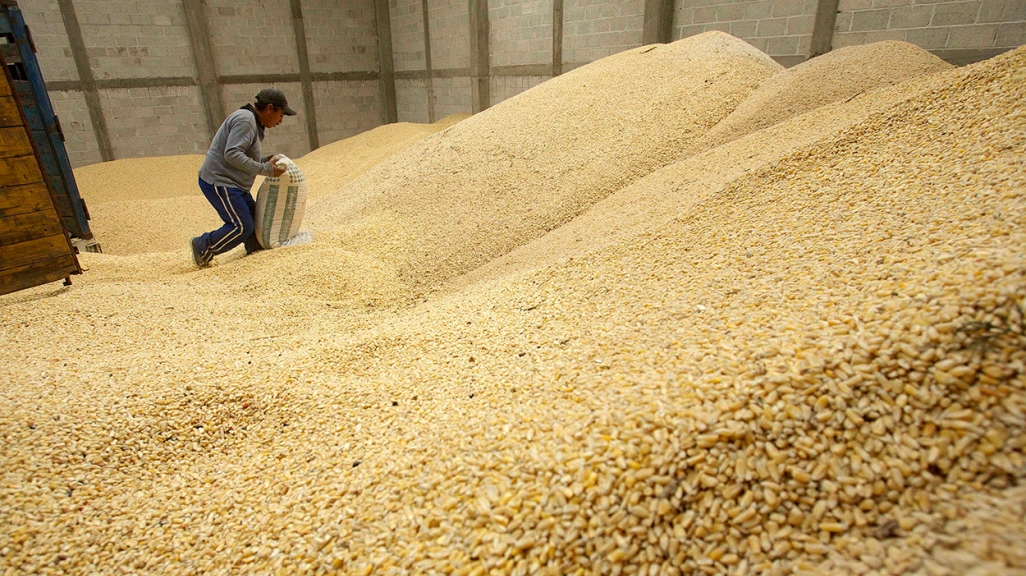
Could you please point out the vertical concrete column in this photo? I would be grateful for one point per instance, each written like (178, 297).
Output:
(85, 77)
(199, 39)
(427, 63)
(823, 28)
(387, 66)
(557, 37)
(658, 27)
(480, 66)
(304, 74)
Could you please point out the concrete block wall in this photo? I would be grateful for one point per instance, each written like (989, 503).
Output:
(780, 28)
(520, 32)
(407, 23)
(251, 36)
(955, 30)
(340, 35)
(145, 77)
(594, 29)
(412, 100)
(452, 96)
(449, 22)
(355, 107)
(151, 79)
(80, 140)
(155, 121)
(53, 49)
(135, 38)
(505, 87)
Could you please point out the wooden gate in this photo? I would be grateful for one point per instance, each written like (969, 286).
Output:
(34, 245)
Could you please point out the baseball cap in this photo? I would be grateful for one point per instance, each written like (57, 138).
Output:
(275, 97)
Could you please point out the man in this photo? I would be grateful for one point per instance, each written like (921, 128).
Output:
(232, 164)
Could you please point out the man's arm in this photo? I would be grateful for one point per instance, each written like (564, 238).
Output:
(240, 135)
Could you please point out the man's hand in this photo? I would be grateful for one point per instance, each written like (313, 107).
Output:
(278, 171)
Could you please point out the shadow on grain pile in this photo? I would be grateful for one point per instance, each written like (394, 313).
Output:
(535, 161)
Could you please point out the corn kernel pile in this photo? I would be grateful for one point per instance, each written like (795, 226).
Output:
(522, 346)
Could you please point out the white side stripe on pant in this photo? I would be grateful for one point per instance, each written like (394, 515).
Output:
(236, 221)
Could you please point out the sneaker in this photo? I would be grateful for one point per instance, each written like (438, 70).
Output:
(252, 244)
(201, 259)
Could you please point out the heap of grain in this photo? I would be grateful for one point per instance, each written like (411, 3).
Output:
(782, 379)
(330, 167)
(635, 210)
(816, 370)
(832, 77)
(532, 163)
(141, 205)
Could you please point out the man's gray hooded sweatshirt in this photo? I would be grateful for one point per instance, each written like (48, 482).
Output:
(234, 159)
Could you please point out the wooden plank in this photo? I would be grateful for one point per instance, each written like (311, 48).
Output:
(37, 273)
(16, 200)
(32, 114)
(64, 207)
(9, 115)
(37, 250)
(29, 226)
(25, 170)
(15, 142)
(19, 170)
(10, 53)
(5, 88)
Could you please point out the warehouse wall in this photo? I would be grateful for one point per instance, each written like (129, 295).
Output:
(159, 76)
(959, 31)
(594, 29)
(53, 48)
(154, 121)
(407, 21)
(80, 141)
(780, 28)
(149, 95)
(340, 36)
(449, 25)
(146, 39)
(520, 32)
(409, 52)
(529, 41)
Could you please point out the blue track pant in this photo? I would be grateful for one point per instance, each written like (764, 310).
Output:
(236, 207)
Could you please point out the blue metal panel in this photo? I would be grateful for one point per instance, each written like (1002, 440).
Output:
(43, 124)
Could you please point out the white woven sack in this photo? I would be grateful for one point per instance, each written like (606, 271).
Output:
(280, 204)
